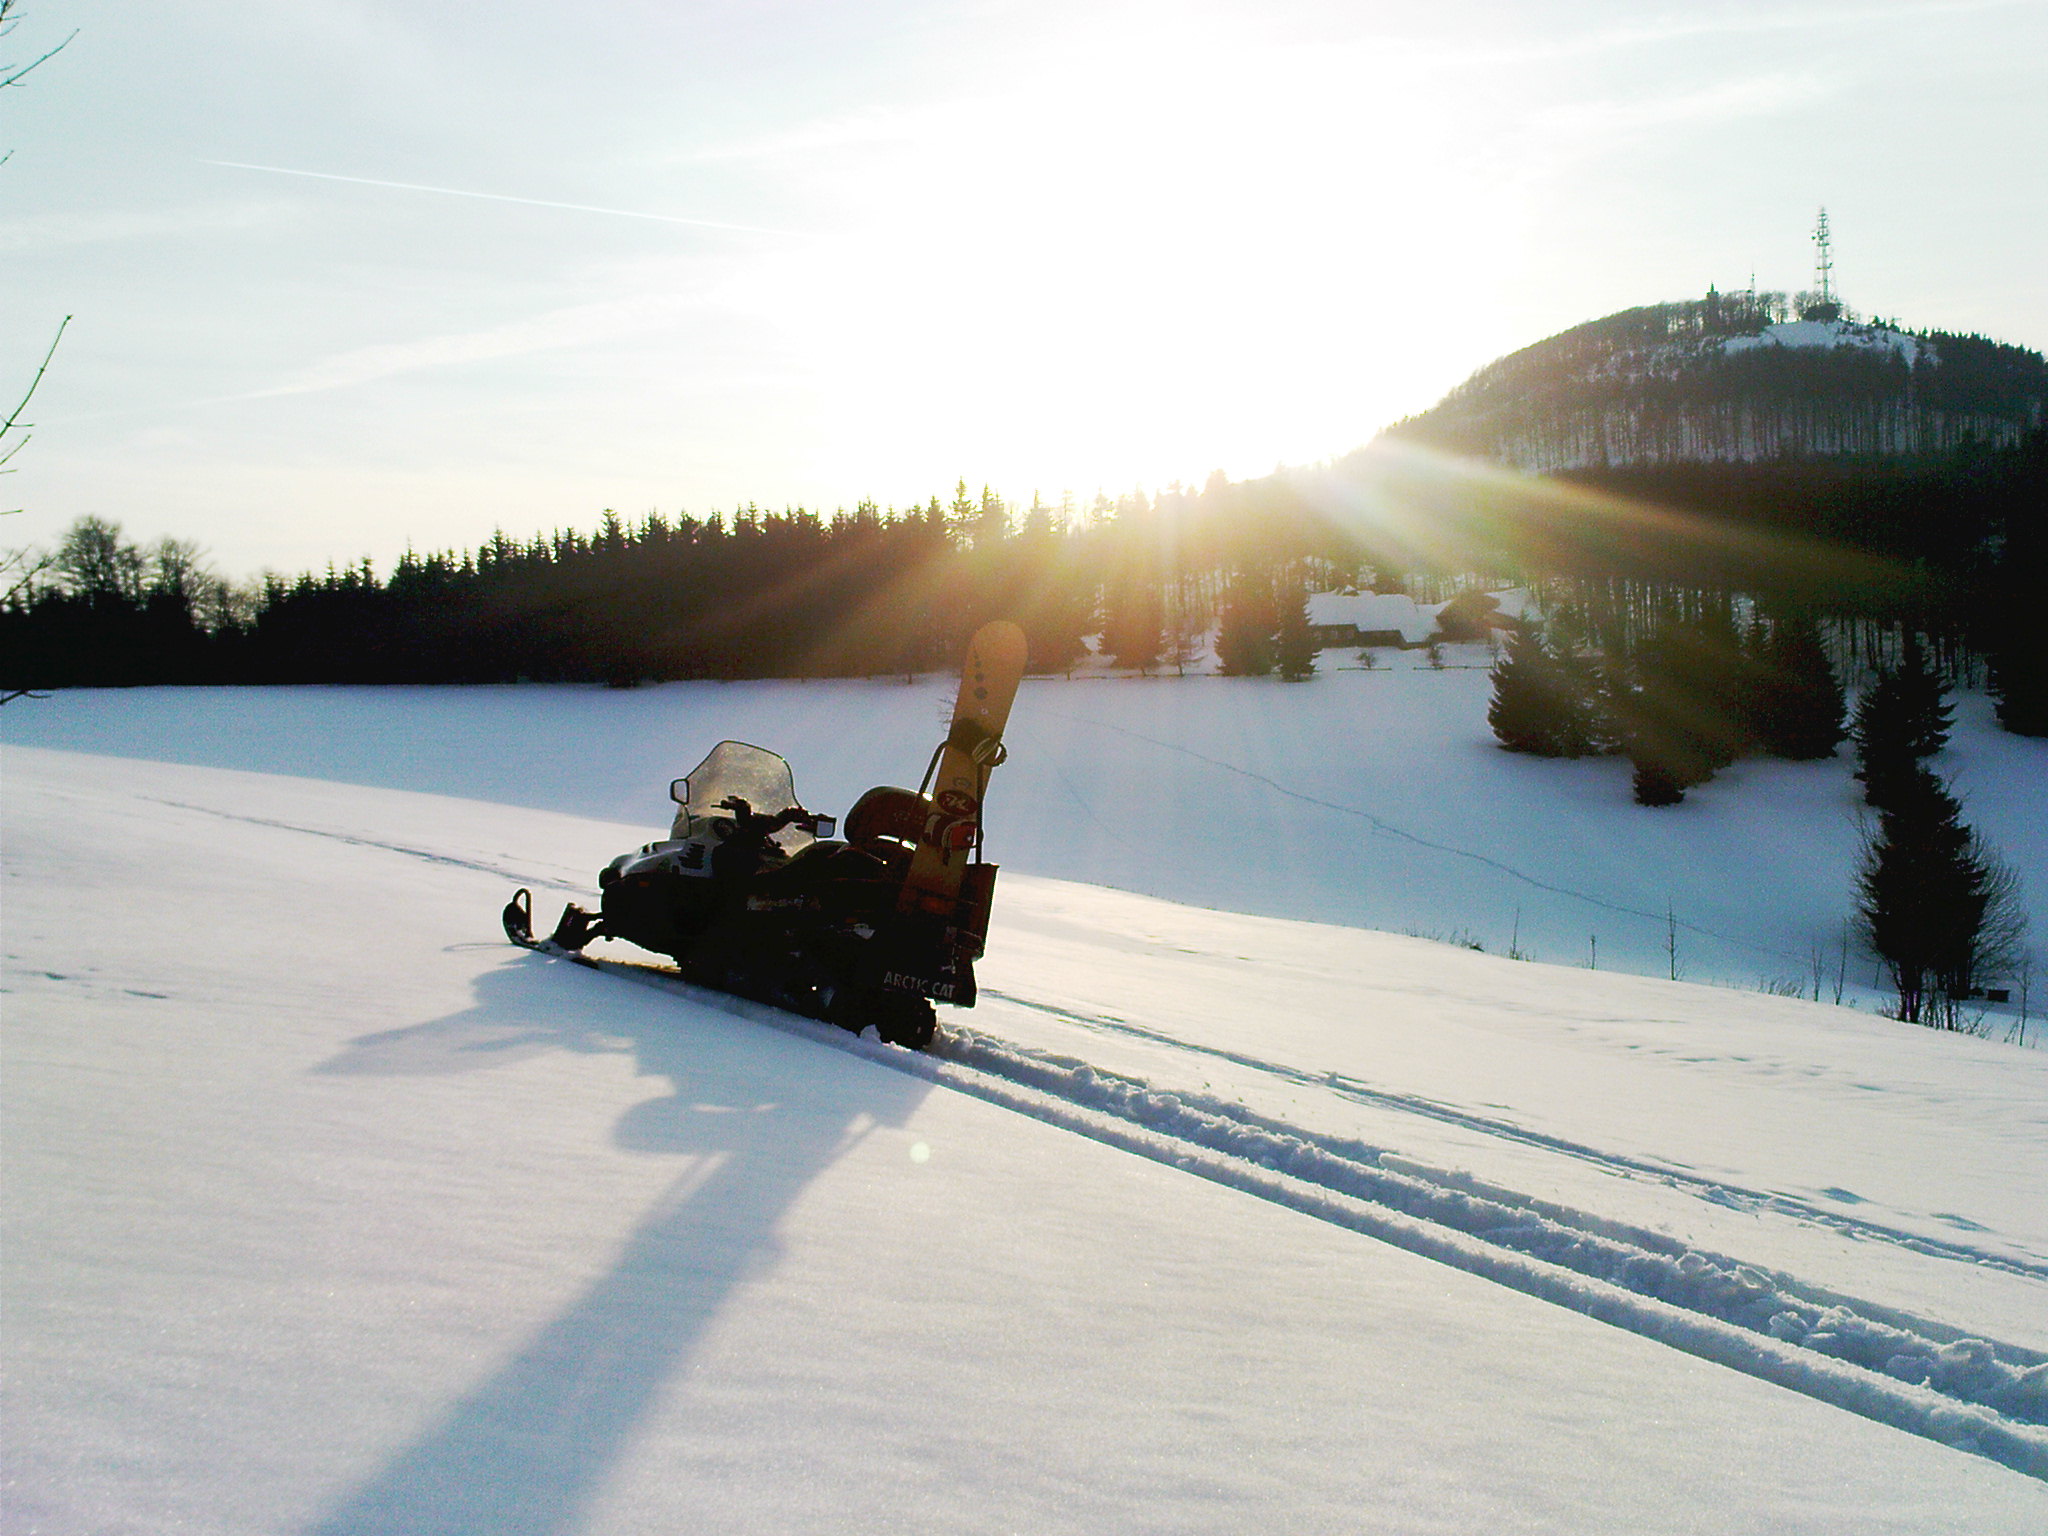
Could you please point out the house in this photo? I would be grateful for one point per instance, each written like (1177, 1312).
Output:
(1368, 618)
(1471, 615)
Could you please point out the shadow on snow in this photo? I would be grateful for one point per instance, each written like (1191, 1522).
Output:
(758, 1115)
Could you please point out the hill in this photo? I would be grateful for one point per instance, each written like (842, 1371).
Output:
(333, 1214)
(1735, 378)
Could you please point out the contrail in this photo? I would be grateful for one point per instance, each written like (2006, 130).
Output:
(499, 197)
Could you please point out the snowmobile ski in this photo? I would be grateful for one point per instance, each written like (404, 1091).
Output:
(574, 925)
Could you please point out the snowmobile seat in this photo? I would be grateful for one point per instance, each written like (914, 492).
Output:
(885, 817)
(832, 872)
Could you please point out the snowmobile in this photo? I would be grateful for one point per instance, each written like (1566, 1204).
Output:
(755, 895)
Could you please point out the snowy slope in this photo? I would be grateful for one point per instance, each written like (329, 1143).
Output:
(1835, 335)
(331, 1213)
(1373, 799)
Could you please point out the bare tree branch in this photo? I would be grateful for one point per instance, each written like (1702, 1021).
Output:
(11, 74)
(14, 423)
(23, 566)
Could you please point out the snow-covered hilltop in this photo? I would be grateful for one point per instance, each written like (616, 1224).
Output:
(1837, 333)
(1735, 377)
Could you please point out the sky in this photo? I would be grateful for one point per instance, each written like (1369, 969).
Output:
(354, 276)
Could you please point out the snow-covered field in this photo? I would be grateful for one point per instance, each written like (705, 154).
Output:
(329, 1212)
(1372, 799)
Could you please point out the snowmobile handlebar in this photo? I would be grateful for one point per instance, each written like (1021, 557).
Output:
(793, 816)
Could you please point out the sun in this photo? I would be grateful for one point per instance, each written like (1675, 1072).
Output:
(1134, 262)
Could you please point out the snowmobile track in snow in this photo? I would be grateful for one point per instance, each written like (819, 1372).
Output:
(1714, 1191)
(355, 840)
(1977, 1395)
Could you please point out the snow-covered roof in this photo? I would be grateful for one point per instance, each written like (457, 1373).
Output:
(1373, 610)
(1515, 602)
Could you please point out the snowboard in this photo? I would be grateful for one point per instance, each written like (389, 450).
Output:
(973, 748)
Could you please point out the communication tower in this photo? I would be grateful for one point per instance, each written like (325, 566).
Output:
(1825, 306)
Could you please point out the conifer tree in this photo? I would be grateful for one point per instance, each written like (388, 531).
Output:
(1245, 636)
(1521, 713)
(1796, 706)
(1901, 720)
(1294, 651)
(1131, 554)
(1055, 627)
(1655, 736)
(991, 522)
(1680, 721)
(2018, 661)
(1051, 598)
(1929, 894)
(1654, 780)
(1588, 691)
(1927, 713)
(2018, 664)
(1187, 622)
(1133, 622)
(1716, 673)
(963, 514)
(1543, 704)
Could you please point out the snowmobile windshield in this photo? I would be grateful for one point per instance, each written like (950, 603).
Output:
(755, 775)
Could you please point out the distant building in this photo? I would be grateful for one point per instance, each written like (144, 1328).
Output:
(1368, 618)
(1471, 615)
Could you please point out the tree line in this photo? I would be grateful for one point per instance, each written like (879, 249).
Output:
(1682, 695)
(1953, 546)
(1685, 688)
(751, 593)
(1956, 547)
